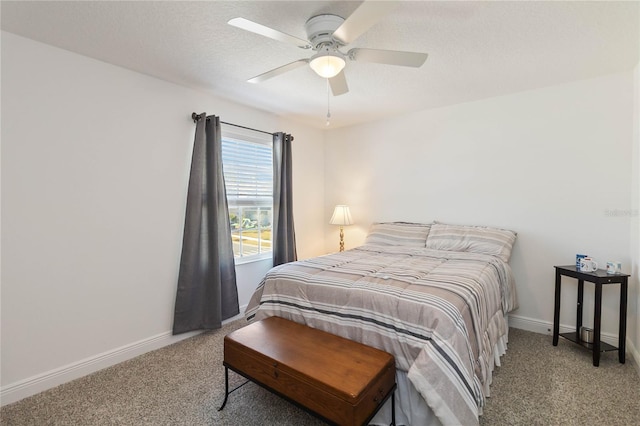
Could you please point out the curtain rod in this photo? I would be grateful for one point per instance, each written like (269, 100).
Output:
(197, 117)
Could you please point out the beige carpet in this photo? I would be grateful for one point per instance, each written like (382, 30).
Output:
(183, 384)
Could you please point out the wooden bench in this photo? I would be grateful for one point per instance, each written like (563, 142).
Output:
(339, 380)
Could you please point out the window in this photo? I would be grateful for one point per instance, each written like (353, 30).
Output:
(248, 174)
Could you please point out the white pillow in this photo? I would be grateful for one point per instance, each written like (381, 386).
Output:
(398, 234)
(476, 239)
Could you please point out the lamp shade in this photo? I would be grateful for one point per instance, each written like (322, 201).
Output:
(327, 64)
(341, 216)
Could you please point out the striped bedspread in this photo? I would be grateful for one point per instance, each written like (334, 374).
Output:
(440, 313)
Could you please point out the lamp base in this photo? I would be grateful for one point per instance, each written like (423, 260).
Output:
(341, 239)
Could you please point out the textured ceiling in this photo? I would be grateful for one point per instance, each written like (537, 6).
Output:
(476, 49)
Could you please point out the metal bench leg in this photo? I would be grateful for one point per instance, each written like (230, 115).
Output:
(393, 408)
(227, 392)
(226, 388)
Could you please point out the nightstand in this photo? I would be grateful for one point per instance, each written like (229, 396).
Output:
(599, 278)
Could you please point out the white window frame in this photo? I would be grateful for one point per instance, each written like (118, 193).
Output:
(257, 138)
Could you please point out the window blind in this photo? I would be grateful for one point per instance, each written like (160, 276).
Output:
(248, 172)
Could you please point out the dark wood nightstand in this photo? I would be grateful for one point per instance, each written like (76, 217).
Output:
(599, 278)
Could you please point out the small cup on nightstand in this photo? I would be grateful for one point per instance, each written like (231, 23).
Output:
(614, 267)
(579, 257)
(588, 265)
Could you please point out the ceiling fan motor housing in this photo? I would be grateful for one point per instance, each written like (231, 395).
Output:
(320, 30)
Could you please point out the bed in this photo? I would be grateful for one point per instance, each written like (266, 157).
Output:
(436, 296)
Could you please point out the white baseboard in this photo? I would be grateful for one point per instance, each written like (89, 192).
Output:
(635, 355)
(545, 327)
(32, 385)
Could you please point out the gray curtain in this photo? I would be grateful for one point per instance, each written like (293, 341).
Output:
(284, 238)
(207, 292)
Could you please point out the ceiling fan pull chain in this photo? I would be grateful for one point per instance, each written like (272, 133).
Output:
(328, 104)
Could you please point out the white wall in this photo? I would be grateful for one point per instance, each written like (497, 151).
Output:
(95, 163)
(552, 164)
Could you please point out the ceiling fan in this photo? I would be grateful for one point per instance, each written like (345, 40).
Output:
(326, 35)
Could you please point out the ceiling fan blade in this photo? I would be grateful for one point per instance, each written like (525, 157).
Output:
(363, 18)
(390, 57)
(254, 27)
(277, 71)
(339, 84)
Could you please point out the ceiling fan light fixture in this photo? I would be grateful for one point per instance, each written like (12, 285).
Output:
(327, 64)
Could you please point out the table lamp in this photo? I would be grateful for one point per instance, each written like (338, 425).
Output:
(341, 216)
